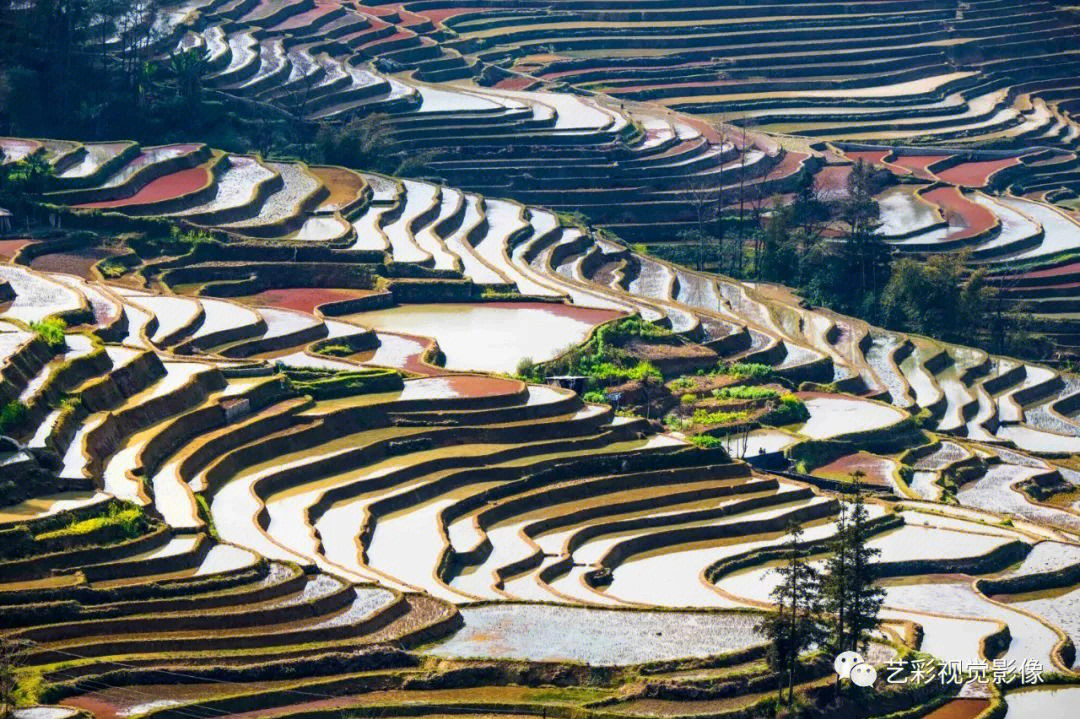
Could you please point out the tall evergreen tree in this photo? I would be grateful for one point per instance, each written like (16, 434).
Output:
(860, 211)
(793, 626)
(848, 591)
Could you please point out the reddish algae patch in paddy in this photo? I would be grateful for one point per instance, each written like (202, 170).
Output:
(168, 187)
(437, 15)
(344, 185)
(832, 181)
(463, 385)
(8, 248)
(303, 299)
(917, 164)
(872, 157)
(515, 83)
(960, 211)
(976, 174)
(877, 469)
(960, 709)
(75, 262)
(1071, 268)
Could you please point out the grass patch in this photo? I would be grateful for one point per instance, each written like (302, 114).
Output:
(745, 392)
(203, 508)
(681, 384)
(490, 293)
(707, 418)
(127, 521)
(331, 384)
(335, 350)
(748, 370)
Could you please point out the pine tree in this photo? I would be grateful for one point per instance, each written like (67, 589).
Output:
(793, 626)
(847, 585)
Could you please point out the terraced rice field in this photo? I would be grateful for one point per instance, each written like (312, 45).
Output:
(509, 494)
(277, 461)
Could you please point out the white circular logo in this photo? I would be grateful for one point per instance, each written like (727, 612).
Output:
(845, 661)
(863, 675)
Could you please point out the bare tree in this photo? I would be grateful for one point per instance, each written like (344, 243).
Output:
(758, 194)
(721, 201)
(744, 144)
(697, 195)
(12, 655)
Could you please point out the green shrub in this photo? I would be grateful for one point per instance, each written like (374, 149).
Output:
(12, 415)
(594, 397)
(111, 269)
(609, 371)
(526, 367)
(790, 410)
(752, 370)
(676, 423)
(745, 392)
(688, 398)
(682, 383)
(616, 333)
(573, 219)
(51, 330)
(602, 358)
(707, 441)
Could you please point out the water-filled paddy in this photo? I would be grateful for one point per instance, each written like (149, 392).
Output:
(879, 357)
(1059, 607)
(993, 492)
(1043, 703)
(1030, 638)
(942, 457)
(904, 212)
(833, 415)
(597, 636)
(758, 441)
(1061, 233)
(907, 543)
(1037, 440)
(51, 504)
(491, 337)
(44, 712)
(302, 299)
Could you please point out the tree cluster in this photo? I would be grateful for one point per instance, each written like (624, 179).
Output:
(827, 249)
(834, 607)
(109, 69)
